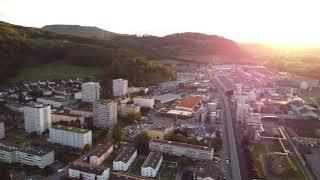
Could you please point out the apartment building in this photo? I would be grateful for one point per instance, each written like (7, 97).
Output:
(181, 149)
(90, 91)
(87, 172)
(37, 118)
(124, 160)
(119, 87)
(66, 118)
(100, 153)
(104, 113)
(81, 112)
(2, 130)
(125, 109)
(70, 136)
(11, 153)
(144, 101)
(152, 164)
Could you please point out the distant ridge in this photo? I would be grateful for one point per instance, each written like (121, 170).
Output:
(83, 31)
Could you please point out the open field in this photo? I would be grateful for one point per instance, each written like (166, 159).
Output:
(54, 71)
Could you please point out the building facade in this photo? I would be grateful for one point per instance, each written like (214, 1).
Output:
(152, 164)
(144, 101)
(90, 91)
(37, 118)
(104, 114)
(11, 153)
(181, 149)
(70, 136)
(119, 87)
(128, 108)
(100, 153)
(124, 160)
(86, 172)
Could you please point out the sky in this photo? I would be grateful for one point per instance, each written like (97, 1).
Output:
(277, 22)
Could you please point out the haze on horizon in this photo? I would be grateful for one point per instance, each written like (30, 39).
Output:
(285, 22)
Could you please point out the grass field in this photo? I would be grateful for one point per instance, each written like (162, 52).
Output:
(135, 168)
(54, 71)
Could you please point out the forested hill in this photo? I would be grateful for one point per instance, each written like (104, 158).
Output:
(184, 46)
(188, 46)
(83, 31)
(21, 47)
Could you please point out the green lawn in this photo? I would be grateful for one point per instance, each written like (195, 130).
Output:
(54, 71)
(109, 161)
(167, 171)
(135, 168)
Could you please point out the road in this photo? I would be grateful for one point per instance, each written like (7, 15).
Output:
(298, 158)
(233, 154)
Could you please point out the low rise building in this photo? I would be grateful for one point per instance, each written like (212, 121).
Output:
(165, 98)
(129, 108)
(54, 102)
(11, 153)
(70, 136)
(159, 129)
(81, 112)
(144, 101)
(189, 103)
(87, 172)
(181, 149)
(152, 164)
(66, 118)
(124, 160)
(100, 153)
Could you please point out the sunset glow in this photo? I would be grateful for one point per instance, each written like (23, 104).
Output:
(285, 22)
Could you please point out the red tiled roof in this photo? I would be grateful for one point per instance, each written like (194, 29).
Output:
(189, 102)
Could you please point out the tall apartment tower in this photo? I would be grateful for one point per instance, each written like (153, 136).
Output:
(104, 113)
(90, 91)
(120, 87)
(2, 130)
(37, 118)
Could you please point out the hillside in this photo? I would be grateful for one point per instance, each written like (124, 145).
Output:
(24, 48)
(189, 46)
(82, 31)
(186, 46)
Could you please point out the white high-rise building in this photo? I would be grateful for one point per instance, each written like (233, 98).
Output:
(120, 87)
(2, 130)
(37, 118)
(70, 136)
(90, 91)
(104, 113)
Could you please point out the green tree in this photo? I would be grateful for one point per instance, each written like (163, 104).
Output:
(141, 142)
(117, 133)
(87, 147)
(133, 116)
